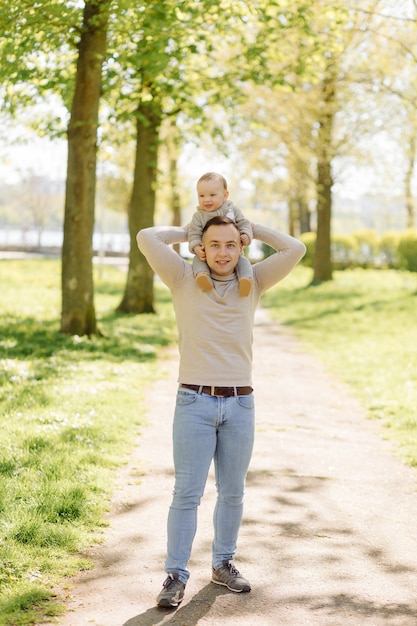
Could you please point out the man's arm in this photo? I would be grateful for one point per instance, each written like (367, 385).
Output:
(155, 245)
(289, 251)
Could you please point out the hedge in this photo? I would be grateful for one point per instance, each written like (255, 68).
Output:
(367, 249)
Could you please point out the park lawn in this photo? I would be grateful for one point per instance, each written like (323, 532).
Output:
(363, 326)
(71, 409)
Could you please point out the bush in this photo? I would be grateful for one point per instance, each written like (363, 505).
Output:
(407, 250)
(367, 248)
(344, 251)
(388, 250)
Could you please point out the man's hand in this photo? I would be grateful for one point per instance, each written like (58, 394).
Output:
(200, 252)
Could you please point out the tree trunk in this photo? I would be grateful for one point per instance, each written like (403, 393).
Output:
(138, 296)
(299, 215)
(175, 201)
(292, 216)
(78, 313)
(303, 195)
(409, 200)
(322, 256)
(305, 216)
(300, 190)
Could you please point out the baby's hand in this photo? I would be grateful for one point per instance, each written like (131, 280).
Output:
(244, 239)
(200, 252)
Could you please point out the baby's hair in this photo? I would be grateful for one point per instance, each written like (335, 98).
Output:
(211, 175)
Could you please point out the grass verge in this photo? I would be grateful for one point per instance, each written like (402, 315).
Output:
(363, 326)
(70, 410)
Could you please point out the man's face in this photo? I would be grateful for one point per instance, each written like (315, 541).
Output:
(223, 247)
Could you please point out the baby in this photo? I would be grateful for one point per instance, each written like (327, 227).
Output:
(212, 200)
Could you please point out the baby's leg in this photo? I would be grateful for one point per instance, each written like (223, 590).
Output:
(244, 273)
(202, 274)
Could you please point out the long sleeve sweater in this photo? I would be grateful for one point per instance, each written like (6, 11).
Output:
(215, 327)
(201, 217)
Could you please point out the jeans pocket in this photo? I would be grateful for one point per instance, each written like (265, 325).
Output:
(247, 402)
(186, 397)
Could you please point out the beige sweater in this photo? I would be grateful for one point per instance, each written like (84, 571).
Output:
(215, 327)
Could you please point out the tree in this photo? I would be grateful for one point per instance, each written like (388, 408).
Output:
(173, 67)
(324, 183)
(37, 53)
(277, 139)
(138, 295)
(306, 126)
(195, 61)
(36, 203)
(78, 313)
(397, 83)
(172, 150)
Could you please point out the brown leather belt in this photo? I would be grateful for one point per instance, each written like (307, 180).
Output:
(219, 392)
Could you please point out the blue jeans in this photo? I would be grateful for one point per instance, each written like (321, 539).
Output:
(206, 428)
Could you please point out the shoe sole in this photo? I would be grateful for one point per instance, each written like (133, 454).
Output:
(166, 604)
(218, 582)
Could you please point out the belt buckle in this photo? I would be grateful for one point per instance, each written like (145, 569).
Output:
(217, 395)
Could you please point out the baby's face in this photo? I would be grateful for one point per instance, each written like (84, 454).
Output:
(211, 194)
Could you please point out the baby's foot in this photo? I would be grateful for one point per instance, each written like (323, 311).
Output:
(245, 286)
(203, 280)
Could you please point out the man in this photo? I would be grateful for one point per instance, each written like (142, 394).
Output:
(214, 414)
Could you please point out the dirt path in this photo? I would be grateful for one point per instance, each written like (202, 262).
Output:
(330, 529)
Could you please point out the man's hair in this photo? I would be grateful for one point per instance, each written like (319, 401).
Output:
(219, 220)
(211, 175)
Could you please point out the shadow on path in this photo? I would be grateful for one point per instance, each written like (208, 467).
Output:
(198, 607)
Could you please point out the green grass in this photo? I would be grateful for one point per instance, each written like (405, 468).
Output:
(70, 410)
(363, 326)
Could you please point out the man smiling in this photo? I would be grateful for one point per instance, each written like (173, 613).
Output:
(215, 412)
(222, 247)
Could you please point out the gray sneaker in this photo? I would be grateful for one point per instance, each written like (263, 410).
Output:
(230, 577)
(172, 591)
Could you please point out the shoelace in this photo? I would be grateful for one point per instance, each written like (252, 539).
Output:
(232, 569)
(171, 581)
